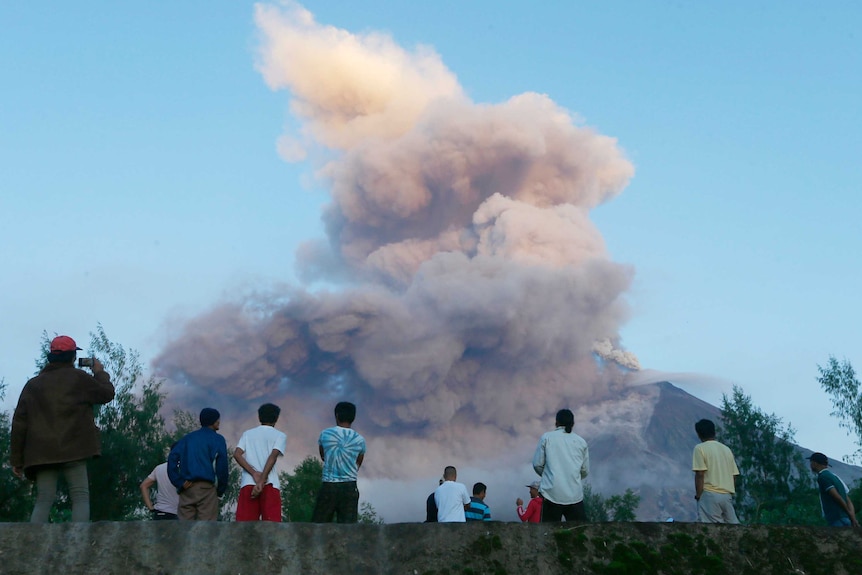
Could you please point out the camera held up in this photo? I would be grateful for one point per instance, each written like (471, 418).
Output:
(85, 362)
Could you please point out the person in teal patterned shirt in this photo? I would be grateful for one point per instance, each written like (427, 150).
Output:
(342, 450)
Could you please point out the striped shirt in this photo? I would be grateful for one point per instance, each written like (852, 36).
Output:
(341, 446)
(477, 511)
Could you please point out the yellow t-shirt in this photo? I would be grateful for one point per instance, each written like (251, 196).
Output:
(716, 460)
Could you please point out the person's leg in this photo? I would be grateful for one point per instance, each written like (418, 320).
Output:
(75, 473)
(709, 508)
(248, 508)
(324, 507)
(187, 510)
(46, 492)
(551, 512)
(208, 502)
(270, 504)
(347, 503)
(574, 512)
(729, 513)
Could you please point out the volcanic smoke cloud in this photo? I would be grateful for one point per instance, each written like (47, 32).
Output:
(472, 296)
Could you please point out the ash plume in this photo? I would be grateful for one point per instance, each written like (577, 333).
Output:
(470, 295)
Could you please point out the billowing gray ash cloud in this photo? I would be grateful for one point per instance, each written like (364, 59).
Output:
(473, 295)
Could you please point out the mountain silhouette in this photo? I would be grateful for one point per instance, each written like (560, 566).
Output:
(643, 440)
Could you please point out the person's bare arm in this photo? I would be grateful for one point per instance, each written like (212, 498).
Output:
(322, 454)
(238, 455)
(843, 502)
(359, 459)
(146, 484)
(698, 484)
(264, 475)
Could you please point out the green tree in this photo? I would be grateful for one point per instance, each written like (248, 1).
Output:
(774, 485)
(623, 507)
(368, 515)
(134, 439)
(615, 508)
(134, 435)
(299, 491)
(16, 495)
(838, 379)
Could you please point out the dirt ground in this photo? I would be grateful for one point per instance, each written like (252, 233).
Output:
(169, 548)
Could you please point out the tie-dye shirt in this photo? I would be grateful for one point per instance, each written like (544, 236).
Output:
(341, 446)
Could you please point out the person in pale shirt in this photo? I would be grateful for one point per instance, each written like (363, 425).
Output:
(167, 499)
(715, 473)
(451, 498)
(562, 459)
(256, 453)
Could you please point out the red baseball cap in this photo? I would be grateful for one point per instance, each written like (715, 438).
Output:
(62, 344)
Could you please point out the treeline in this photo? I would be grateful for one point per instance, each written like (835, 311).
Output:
(136, 438)
(775, 485)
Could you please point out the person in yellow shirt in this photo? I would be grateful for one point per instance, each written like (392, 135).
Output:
(715, 472)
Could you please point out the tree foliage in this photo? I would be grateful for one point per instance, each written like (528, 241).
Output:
(774, 484)
(134, 439)
(299, 493)
(368, 515)
(134, 436)
(838, 379)
(16, 496)
(614, 508)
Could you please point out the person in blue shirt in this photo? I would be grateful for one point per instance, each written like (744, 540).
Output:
(477, 510)
(198, 468)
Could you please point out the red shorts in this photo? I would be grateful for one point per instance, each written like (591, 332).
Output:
(264, 507)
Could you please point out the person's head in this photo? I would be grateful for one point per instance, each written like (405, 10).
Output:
(345, 412)
(818, 462)
(565, 418)
(267, 414)
(479, 490)
(63, 349)
(534, 489)
(450, 473)
(705, 429)
(210, 418)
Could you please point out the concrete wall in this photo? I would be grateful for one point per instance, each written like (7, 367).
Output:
(172, 548)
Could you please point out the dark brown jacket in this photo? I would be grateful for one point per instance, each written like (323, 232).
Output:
(53, 422)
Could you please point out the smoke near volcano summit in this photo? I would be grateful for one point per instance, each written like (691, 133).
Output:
(473, 295)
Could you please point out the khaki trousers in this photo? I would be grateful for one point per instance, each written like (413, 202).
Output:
(199, 502)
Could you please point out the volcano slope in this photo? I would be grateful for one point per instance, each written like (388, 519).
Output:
(643, 440)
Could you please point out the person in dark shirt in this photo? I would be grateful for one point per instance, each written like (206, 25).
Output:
(198, 468)
(431, 507)
(836, 505)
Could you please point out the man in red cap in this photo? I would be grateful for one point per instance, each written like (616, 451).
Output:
(53, 430)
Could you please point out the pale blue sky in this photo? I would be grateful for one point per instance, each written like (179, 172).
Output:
(139, 179)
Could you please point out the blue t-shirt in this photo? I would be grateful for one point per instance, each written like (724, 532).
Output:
(341, 446)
